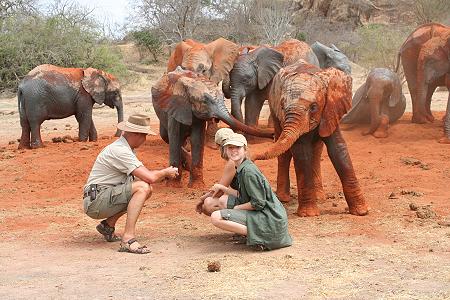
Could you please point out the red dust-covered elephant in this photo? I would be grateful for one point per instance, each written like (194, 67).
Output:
(253, 71)
(379, 101)
(424, 58)
(184, 101)
(306, 104)
(52, 92)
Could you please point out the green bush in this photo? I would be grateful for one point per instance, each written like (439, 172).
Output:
(147, 40)
(377, 45)
(31, 41)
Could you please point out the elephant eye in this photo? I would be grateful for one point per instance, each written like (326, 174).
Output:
(313, 108)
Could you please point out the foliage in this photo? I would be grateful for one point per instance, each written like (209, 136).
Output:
(59, 39)
(377, 45)
(427, 11)
(149, 41)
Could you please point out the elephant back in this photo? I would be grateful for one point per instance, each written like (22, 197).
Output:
(294, 50)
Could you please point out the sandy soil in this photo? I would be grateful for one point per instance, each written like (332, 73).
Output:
(50, 250)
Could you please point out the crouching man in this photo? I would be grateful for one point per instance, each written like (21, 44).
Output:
(111, 189)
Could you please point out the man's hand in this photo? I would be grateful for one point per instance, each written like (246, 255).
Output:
(171, 172)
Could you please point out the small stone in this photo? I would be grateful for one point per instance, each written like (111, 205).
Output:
(393, 196)
(334, 204)
(85, 147)
(410, 161)
(425, 212)
(425, 167)
(57, 139)
(55, 128)
(413, 206)
(67, 141)
(67, 125)
(11, 142)
(214, 266)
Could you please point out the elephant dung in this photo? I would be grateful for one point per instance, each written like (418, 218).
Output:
(214, 266)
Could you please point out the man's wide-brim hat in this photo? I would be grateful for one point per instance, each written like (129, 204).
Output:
(137, 123)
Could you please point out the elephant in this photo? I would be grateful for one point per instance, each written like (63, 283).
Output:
(252, 73)
(331, 57)
(379, 101)
(433, 70)
(213, 60)
(306, 104)
(52, 92)
(183, 101)
(408, 55)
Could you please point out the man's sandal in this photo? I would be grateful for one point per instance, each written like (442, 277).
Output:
(107, 232)
(126, 247)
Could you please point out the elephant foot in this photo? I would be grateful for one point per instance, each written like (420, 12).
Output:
(419, 119)
(308, 209)
(382, 129)
(430, 118)
(196, 184)
(366, 132)
(358, 210)
(444, 140)
(175, 183)
(284, 197)
(24, 146)
(36, 145)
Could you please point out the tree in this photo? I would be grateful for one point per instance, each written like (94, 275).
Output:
(149, 41)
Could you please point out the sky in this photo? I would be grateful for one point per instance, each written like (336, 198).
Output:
(114, 10)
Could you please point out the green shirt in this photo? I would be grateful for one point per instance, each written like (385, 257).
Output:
(268, 223)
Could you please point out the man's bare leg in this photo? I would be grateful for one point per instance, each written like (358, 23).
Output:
(140, 191)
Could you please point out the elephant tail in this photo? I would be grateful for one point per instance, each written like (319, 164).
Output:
(21, 107)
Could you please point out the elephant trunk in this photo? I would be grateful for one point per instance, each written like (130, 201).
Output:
(375, 117)
(237, 125)
(236, 100)
(294, 127)
(119, 108)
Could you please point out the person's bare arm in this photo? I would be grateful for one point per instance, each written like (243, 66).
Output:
(228, 173)
(152, 176)
(224, 189)
(245, 206)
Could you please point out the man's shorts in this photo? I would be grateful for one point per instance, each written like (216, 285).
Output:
(110, 201)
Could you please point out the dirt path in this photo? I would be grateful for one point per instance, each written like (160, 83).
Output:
(50, 250)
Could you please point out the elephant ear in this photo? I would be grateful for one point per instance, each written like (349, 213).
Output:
(269, 62)
(95, 84)
(223, 54)
(338, 102)
(177, 55)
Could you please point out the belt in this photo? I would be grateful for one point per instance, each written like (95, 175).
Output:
(92, 187)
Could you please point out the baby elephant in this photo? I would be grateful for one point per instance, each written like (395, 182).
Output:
(379, 101)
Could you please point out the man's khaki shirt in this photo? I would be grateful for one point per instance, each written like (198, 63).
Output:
(114, 164)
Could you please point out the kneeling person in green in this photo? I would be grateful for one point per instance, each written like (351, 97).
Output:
(253, 210)
(111, 190)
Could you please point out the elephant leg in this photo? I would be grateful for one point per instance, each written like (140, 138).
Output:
(303, 152)
(197, 149)
(25, 137)
(431, 88)
(175, 134)
(338, 153)
(446, 138)
(317, 172)
(163, 133)
(35, 130)
(92, 132)
(84, 120)
(253, 105)
(284, 162)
